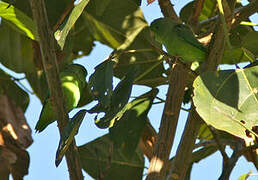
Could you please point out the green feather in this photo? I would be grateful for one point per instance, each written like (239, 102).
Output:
(73, 81)
(178, 39)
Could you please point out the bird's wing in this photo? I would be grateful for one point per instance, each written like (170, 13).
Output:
(187, 35)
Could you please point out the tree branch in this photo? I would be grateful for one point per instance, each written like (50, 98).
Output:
(46, 41)
(168, 10)
(231, 162)
(177, 82)
(193, 20)
(186, 146)
(189, 136)
(240, 14)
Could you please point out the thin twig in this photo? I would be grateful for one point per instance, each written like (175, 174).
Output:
(219, 145)
(68, 9)
(231, 162)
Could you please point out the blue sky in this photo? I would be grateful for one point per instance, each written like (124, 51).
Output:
(42, 151)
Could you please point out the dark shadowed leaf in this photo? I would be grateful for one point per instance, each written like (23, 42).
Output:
(119, 99)
(227, 100)
(70, 130)
(15, 49)
(250, 42)
(101, 82)
(128, 126)
(13, 91)
(101, 160)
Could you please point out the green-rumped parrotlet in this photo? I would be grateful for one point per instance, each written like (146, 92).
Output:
(178, 39)
(73, 81)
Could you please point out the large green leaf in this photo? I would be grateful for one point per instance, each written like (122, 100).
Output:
(129, 124)
(21, 21)
(15, 49)
(227, 100)
(13, 91)
(100, 159)
(121, 25)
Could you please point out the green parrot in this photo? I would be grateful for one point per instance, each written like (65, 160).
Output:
(178, 39)
(73, 81)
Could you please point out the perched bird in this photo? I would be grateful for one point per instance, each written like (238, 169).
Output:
(178, 39)
(73, 81)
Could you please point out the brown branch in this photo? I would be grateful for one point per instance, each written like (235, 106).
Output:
(47, 48)
(240, 14)
(193, 20)
(167, 10)
(183, 156)
(177, 82)
(244, 12)
(187, 142)
(219, 144)
(68, 9)
(231, 162)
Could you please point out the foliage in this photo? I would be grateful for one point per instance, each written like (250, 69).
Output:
(227, 100)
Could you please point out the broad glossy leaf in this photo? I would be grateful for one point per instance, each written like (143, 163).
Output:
(70, 130)
(227, 100)
(128, 126)
(15, 49)
(63, 31)
(100, 159)
(20, 21)
(13, 91)
(244, 176)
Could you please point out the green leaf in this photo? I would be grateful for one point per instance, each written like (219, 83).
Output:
(204, 132)
(128, 126)
(70, 130)
(237, 55)
(19, 20)
(63, 31)
(227, 100)
(250, 42)
(119, 99)
(13, 91)
(15, 50)
(101, 82)
(140, 54)
(122, 26)
(100, 159)
(208, 10)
